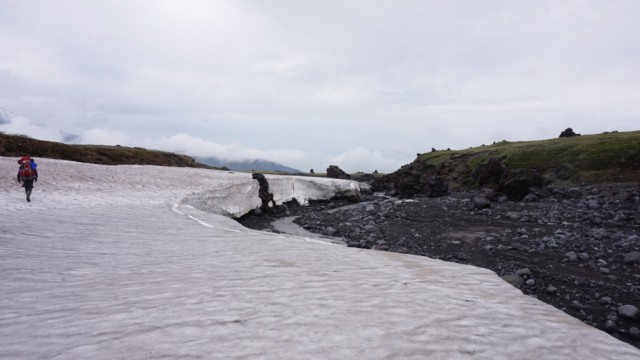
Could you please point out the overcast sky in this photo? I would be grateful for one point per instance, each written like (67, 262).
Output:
(360, 84)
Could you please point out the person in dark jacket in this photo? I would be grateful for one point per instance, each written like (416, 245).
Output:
(263, 192)
(27, 175)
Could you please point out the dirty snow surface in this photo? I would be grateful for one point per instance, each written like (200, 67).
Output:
(143, 262)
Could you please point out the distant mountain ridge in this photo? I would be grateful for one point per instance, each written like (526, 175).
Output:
(247, 165)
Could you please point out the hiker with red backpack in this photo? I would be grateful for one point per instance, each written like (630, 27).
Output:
(27, 174)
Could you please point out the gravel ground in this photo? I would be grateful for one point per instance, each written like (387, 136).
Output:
(577, 248)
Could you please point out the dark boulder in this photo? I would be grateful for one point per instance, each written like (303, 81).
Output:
(334, 172)
(479, 202)
(568, 132)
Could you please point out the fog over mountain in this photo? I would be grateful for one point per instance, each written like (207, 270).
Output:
(247, 165)
(16, 124)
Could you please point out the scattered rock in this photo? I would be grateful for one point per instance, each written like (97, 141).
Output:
(593, 204)
(610, 327)
(632, 257)
(480, 202)
(514, 280)
(525, 273)
(571, 256)
(574, 193)
(329, 231)
(605, 300)
(575, 304)
(629, 312)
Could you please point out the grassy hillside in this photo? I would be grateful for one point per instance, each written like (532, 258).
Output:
(604, 157)
(18, 145)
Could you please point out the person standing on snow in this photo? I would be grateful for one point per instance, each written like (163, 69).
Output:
(27, 174)
(264, 193)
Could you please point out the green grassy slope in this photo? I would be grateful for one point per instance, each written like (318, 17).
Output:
(18, 145)
(603, 157)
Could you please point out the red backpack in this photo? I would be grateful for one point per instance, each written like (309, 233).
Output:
(27, 172)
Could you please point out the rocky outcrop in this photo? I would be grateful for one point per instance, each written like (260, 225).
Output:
(492, 177)
(413, 179)
(436, 186)
(490, 174)
(496, 180)
(518, 184)
(334, 172)
(568, 132)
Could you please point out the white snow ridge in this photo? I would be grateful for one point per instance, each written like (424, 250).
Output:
(121, 262)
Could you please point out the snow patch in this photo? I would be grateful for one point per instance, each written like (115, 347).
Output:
(118, 263)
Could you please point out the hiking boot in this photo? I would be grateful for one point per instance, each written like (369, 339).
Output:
(28, 199)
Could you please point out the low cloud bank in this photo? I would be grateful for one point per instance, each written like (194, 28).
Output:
(354, 159)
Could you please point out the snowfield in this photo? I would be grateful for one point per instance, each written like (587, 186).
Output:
(140, 262)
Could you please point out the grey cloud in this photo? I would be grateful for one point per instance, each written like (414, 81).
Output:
(398, 77)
